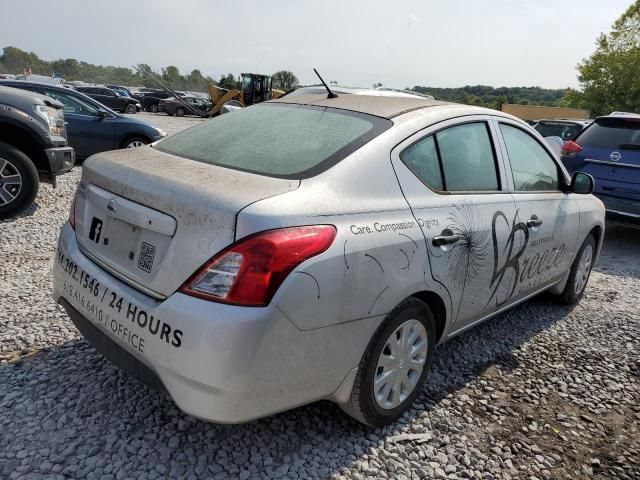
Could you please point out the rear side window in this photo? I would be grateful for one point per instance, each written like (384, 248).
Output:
(467, 158)
(280, 140)
(612, 133)
(459, 158)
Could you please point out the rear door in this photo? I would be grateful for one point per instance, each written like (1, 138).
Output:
(611, 154)
(548, 217)
(454, 181)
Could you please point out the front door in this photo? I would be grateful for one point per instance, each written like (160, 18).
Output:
(454, 182)
(549, 216)
(87, 132)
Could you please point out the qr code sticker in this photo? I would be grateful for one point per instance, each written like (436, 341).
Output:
(145, 259)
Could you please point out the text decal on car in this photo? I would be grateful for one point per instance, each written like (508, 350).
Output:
(103, 304)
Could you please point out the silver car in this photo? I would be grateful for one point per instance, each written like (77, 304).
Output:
(316, 248)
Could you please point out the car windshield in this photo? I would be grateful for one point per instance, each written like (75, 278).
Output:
(612, 133)
(280, 140)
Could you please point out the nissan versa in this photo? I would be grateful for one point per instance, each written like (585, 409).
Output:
(318, 248)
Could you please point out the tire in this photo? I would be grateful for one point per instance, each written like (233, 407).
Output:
(578, 276)
(18, 181)
(135, 142)
(130, 108)
(153, 108)
(180, 112)
(381, 408)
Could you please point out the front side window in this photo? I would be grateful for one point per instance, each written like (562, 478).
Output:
(71, 103)
(532, 167)
(281, 140)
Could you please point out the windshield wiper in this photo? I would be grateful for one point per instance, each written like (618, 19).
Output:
(630, 146)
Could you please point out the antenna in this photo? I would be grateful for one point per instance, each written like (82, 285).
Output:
(330, 93)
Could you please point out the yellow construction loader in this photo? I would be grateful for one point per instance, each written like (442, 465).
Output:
(255, 89)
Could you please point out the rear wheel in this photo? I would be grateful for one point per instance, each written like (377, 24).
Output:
(180, 112)
(18, 181)
(153, 108)
(580, 272)
(394, 366)
(130, 108)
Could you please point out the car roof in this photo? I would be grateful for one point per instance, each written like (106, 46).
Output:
(9, 91)
(629, 115)
(380, 106)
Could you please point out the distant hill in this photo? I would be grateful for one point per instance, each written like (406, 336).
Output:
(492, 97)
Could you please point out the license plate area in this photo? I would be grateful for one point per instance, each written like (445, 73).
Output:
(128, 237)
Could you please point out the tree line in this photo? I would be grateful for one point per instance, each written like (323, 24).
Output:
(16, 61)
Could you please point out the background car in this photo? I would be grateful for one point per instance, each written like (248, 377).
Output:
(565, 129)
(91, 127)
(127, 92)
(172, 107)
(150, 100)
(609, 150)
(110, 98)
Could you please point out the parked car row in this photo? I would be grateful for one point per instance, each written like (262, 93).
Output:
(79, 126)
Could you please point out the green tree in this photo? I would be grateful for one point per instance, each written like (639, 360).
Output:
(171, 75)
(284, 80)
(229, 82)
(609, 78)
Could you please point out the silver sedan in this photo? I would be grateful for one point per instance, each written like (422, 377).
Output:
(316, 248)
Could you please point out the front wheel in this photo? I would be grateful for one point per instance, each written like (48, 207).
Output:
(580, 272)
(395, 365)
(130, 108)
(153, 108)
(180, 112)
(134, 142)
(18, 181)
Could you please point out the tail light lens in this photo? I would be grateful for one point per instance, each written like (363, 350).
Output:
(570, 148)
(250, 271)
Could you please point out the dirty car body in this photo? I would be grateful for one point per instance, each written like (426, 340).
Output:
(261, 266)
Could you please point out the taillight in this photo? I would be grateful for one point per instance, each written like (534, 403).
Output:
(250, 271)
(72, 211)
(570, 148)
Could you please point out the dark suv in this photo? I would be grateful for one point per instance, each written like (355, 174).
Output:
(111, 98)
(33, 146)
(609, 150)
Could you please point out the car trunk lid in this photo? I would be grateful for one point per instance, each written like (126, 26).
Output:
(152, 219)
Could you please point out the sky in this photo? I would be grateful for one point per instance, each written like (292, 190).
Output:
(400, 43)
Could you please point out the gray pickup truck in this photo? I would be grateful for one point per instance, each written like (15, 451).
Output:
(33, 147)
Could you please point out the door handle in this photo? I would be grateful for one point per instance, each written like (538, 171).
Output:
(446, 237)
(534, 222)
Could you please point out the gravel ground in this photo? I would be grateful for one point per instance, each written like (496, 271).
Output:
(541, 392)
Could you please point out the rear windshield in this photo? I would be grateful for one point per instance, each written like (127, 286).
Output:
(613, 133)
(566, 131)
(279, 140)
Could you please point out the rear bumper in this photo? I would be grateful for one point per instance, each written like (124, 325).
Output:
(61, 159)
(621, 210)
(218, 362)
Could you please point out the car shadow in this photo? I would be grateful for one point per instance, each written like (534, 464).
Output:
(620, 254)
(77, 390)
(28, 212)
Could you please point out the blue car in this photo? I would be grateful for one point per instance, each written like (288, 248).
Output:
(92, 127)
(609, 150)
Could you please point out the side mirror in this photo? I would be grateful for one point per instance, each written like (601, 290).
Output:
(582, 183)
(103, 114)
